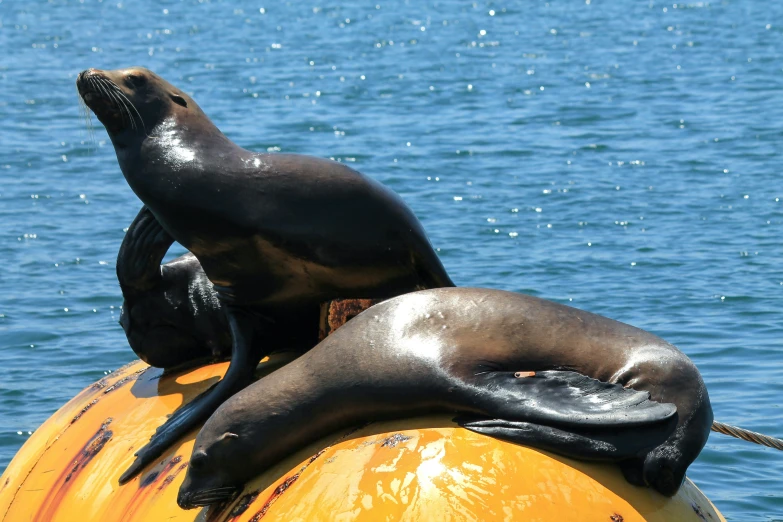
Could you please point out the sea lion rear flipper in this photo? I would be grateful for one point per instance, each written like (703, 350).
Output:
(239, 375)
(572, 414)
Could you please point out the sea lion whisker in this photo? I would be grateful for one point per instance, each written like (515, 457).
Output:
(213, 493)
(215, 490)
(211, 499)
(116, 92)
(118, 104)
(205, 501)
(85, 113)
(98, 87)
(117, 98)
(125, 97)
(111, 94)
(95, 87)
(96, 84)
(109, 84)
(124, 109)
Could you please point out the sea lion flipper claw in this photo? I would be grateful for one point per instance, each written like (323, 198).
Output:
(239, 374)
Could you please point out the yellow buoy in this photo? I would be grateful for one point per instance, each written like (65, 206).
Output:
(418, 469)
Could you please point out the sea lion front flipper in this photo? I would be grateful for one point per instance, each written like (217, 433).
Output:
(568, 400)
(239, 374)
(607, 445)
(571, 414)
(140, 276)
(141, 253)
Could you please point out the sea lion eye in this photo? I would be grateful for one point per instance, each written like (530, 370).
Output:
(136, 80)
(198, 459)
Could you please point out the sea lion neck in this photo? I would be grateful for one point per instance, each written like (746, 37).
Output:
(178, 146)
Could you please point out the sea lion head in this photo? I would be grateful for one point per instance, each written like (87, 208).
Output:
(131, 101)
(218, 467)
(236, 444)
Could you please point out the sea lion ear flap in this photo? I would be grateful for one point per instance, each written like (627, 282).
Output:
(178, 99)
(228, 435)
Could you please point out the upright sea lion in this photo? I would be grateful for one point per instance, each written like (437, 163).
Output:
(521, 368)
(276, 234)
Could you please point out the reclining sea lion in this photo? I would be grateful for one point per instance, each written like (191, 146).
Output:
(516, 367)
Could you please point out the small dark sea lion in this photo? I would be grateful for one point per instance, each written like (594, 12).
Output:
(513, 366)
(171, 315)
(276, 234)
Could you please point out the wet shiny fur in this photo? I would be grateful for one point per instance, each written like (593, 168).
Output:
(514, 367)
(276, 234)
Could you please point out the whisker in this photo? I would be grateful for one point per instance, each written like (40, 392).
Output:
(122, 95)
(211, 497)
(208, 492)
(209, 500)
(98, 86)
(95, 84)
(213, 494)
(123, 109)
(119, 100)
(112, 91)
(85, 113)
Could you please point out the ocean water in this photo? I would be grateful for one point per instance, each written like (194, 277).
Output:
(621, 157)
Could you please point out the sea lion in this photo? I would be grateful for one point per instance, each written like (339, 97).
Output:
(276, 234)
(517, 367)
(171, 315)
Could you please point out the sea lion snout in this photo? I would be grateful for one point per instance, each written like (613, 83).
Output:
(102, 95)
(85, 80)
(83, 84)
(87, 72)
(207, 483)
(187, 499)
(184, 500)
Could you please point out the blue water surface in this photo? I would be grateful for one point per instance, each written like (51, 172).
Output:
(621, 157)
